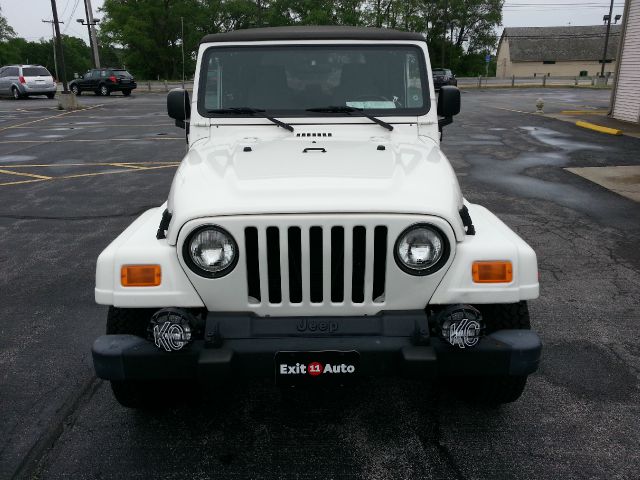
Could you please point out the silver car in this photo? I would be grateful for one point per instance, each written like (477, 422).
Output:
(20, 81)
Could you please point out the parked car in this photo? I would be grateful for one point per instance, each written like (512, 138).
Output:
(21, 81)
(103, 81)
(443, 76)
(319, 234)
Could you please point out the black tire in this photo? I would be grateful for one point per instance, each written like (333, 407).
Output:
(132, 393)
(131, 321)
(15, 93)
(505, 316)
(104, 91)
(51, 95)
(495, 390)
(126, 93)
(75, 90)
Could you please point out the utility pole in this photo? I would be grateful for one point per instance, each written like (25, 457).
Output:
(444, 32)
(65, 88)
(93, 38)
(606, 39)
(182, 45)
(53, 44)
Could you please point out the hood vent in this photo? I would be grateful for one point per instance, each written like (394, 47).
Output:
(314, 134)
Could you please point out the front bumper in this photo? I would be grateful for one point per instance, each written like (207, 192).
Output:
(390, 344)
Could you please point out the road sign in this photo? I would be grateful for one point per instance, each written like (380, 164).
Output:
(487, 58)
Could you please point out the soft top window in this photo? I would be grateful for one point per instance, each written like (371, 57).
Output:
(288, 80)
(35, 72)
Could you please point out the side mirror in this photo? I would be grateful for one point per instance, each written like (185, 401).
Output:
(448, 101)
(178, 106)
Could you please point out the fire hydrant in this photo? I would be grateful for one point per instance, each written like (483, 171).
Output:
(539, 105)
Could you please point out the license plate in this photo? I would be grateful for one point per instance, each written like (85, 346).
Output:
(310, 368)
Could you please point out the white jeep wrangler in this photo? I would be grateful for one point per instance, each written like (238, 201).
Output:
(315, 232)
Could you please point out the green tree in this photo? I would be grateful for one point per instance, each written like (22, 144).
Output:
(77, 54)
(6, 32)
(145, 34)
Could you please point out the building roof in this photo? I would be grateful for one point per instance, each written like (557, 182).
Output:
(312, 32)
(569, 43)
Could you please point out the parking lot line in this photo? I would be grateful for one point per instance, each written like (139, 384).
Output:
(88, 140)
(98, 164)
(21, 174)
(50, 117)
(126, 168)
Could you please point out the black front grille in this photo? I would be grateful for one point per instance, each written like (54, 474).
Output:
(316, 259)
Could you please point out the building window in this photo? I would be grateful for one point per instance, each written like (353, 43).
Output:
(583, 73)
(549, 62)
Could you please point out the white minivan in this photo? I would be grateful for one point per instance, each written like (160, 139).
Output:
(21, 81)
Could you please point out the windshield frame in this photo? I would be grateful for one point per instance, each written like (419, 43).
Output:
(284, 113)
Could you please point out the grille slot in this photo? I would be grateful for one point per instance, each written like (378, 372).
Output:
(273, 265)
(316, 265)
(253, 264)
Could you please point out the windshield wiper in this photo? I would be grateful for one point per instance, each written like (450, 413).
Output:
(251, 111)
(347, 109)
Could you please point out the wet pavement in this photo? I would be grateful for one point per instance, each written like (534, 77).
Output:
(576, 419)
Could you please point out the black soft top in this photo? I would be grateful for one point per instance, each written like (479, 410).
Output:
(312, 32)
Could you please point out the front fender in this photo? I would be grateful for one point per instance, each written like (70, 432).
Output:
(493, 241)
(138, 245)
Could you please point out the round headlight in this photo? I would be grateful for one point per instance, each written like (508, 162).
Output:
(421, 250)
(210, 251)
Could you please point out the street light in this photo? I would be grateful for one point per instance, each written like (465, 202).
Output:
(607, 19)
(93, 42)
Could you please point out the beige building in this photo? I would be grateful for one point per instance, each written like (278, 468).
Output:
(626, 94)
(556, 51)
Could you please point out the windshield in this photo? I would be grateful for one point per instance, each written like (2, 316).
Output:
(441, 72)
(35, 72)
(288, 80)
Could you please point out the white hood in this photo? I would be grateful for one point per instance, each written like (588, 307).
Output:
(277, 176)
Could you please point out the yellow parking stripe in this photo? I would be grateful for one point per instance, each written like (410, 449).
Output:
(50, 117)
(127, 168)
(74, 140)
(20, 174)
(22, 181)
(127, 165)
(99, 164)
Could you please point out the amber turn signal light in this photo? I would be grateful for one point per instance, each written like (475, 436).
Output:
(140, 275)
(492, 272)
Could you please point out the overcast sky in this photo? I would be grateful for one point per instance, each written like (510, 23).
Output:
(25, 15)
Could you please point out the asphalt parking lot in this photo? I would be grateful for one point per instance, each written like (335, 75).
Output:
(71, 182)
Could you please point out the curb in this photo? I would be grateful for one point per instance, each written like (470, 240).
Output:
(598, 128)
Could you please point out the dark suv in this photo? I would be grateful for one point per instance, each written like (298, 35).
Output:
(443, 76)
(103, 81)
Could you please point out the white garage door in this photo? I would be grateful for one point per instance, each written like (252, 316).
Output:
(627, 98)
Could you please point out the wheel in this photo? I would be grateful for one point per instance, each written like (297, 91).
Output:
(126, 93)
(142, 394)
(50, 95)
(104, 90)
(132, 321)
(490, 391)
(16, 93)
(495, 390)
(75, 90)
(504, 316)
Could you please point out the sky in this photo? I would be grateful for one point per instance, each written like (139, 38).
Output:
(25, 15)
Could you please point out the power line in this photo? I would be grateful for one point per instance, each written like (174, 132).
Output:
(75, 6)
